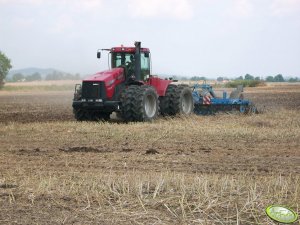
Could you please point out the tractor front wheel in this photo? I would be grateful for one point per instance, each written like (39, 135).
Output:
(90, 115)
(100, 116)
(80, 115)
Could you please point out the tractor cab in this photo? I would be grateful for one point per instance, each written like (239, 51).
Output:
(125, 57)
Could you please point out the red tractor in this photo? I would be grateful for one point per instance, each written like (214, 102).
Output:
(129, 90)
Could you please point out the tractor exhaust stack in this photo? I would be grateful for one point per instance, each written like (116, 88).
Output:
(137, 56)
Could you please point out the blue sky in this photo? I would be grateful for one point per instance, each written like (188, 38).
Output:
(186, 37)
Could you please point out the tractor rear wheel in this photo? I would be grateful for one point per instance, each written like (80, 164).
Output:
(178, 100)
(139, 103)
(165, 101)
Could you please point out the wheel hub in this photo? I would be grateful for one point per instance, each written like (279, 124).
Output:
(186, 103)
(150, 106)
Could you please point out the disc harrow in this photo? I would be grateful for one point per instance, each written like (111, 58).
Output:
(207, 103)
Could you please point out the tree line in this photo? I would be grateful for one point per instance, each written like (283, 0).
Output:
(55, 75)
(5, 66)
(247, 77)
(276, 78)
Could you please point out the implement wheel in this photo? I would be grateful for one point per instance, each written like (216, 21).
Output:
(243, 109)
(253, 109)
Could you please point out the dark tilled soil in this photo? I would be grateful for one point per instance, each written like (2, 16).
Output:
(31, 157)
(57, 106)
(36, 107)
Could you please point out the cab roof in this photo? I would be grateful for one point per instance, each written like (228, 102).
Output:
(127, 49)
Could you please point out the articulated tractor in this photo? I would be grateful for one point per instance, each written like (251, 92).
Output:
(129, 89)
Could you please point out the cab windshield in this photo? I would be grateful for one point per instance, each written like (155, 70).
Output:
(127, 60)
(121, 59)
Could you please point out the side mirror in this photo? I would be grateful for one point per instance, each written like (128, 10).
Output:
(146, 54)
(98, 54)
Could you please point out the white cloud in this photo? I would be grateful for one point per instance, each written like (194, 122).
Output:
(23, 23)
(242, 8)
(284, 7)
(10, 2)
(85, 5)
(79, 5)
(68, 12)
(62, 23)
(179, 9)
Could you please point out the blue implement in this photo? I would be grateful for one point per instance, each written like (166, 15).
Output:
(206, 102)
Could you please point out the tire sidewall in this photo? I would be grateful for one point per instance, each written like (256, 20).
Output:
(133, 101)
(148, 90)
(186, 91)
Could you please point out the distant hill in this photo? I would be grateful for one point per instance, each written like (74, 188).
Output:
(32, 70)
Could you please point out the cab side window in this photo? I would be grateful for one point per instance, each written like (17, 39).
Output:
(145, 65)
(118, 60)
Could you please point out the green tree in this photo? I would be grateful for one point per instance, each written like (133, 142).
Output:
(293, 79)
(197, 78)
(220, 79)
(239, 78)
(55, 75)
(270, 79)
(278, 78)
(34, 77)
(257, 78)
(183, 78)
(18, 77)
(5, 66)
(249, 77)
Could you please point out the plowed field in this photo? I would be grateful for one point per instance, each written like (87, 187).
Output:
(222, 169)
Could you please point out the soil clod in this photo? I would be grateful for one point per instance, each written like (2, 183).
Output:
(83, 149)
(152, 151)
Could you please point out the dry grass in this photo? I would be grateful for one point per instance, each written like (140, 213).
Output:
(37, 86)
(160, 198)
(43, 83)
(100, 172)
(223, 169)
(276, 127)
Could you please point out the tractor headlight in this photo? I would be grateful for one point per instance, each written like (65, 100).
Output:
(83, 100)
(109, 83)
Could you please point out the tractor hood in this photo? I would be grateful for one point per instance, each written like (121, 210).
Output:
(108, 76)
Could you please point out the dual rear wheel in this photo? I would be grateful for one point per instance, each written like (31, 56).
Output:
(177, 100)
(141, 103)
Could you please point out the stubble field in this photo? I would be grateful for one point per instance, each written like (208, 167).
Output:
(222, 169)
